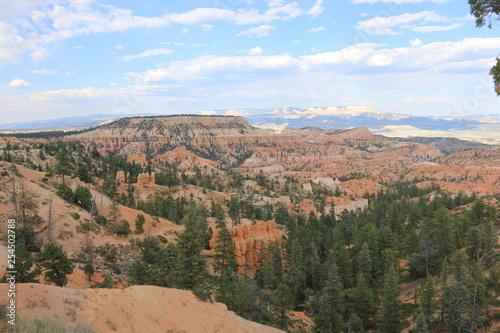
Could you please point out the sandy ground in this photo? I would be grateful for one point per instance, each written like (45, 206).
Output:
(136, 309)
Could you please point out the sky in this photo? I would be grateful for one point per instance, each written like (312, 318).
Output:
(71, 58)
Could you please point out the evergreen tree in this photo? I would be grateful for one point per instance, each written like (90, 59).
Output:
(191, 268)
(363, 300)
(421, 323)
(390, 315)
(295, 276)
(282, 300)
(331, 301)
(364, 262)
(139, 222)
(83, 197)
(23, 266)
(354, 325)
(63, 166)
(89, 270)
(114, 212)
(427, 302)
(54, 264)
(225, 264)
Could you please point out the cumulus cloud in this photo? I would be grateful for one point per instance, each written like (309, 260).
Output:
(39, 54)
(317, 9)
(364, 59)
(260, 31)
(19, 83)
(399, 2)
(384, 25)
(437, 28)
(44, 71)
(415, 42)
(148, 53)
(65, 20)
(318, 29)
(255, 51)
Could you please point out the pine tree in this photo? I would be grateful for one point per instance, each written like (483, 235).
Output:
(354, 325)
(191, 268)
(282, 300)
(331, 301)
(114, 212)
(421, 323)
(390, 315)
(225, 264)
(89, 270)
(427, 302)
(54, 263)
(364, 262)
(139, 222)
(295, 276)
(24, 264)
(63, 166)
(363, 299)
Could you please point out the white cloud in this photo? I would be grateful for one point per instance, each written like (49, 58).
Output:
(39, 54)
(12, 44)
(416, 42)
(255, 51)
(383, 25)
(399, 2)
(67, 19)
(119, 47)
(44, 71)
(437, 28)
(317, 9)
(260, 31)
(318, 29)
(361, 59)
(19, 83)
(148, 53)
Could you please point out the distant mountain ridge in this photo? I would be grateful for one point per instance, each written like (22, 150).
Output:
(479, 128)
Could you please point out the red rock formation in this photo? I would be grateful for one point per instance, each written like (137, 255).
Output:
(248, 240)
(145, 178)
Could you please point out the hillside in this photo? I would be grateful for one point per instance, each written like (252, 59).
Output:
(274, 225)
(135, 309)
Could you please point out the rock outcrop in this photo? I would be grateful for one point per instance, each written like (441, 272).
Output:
(248, 240)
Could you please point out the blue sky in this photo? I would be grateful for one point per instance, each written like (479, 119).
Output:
(63, 58)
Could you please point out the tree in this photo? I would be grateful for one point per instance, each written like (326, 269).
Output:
(332, 300)
(139, 222)
(282, 300)
(483, 10)
(363, 299)
(427, 302)
(295, 276)
(84, 175)
(354, 325)
(54, 263)
(24, 264)
(364, 262)
(225, 264)
(114, 211)
(83, 197)
(89, 270)
(390, 315)
(421, 323)
(191, 268)
(65, 192)
(63, 166)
